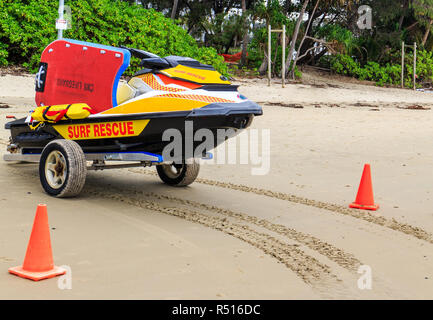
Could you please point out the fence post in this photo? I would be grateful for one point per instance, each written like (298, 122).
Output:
(414, 66)
(283, 61)
(269, 55)
(283, 67)
(402, 64)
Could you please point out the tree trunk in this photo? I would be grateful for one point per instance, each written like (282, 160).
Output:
(264, 66)
(230, 45)
(295, 36)
(245, 38)
(404, 7)
(173, 11)
(427, 33)
(310, 21)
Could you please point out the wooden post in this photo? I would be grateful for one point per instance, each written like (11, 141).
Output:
(402, 64)
(414, 66)
(283, 67)
(283, 72)
(269, 55)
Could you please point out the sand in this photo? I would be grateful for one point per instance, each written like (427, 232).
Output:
(232, 235)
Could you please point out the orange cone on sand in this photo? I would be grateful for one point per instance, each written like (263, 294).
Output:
(364, 198)
(38, 263)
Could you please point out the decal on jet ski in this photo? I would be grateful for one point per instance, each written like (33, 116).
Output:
(72, 84)
(166, 103)
(190, 74)
(195, 97)
(41, 76)
(184, 84)
(194, 75)
(152, 82)
(155, 104)
(101, 130)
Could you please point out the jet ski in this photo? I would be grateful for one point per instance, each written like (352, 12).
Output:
(84, 113)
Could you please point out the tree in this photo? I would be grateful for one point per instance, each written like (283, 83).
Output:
(328, 12)
(310, 20)
(424, 15)
(245, 37)
(275, 15)
(173, 11)
(295, 36)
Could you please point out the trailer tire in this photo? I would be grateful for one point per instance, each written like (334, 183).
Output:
(178, 175)
(62, 168)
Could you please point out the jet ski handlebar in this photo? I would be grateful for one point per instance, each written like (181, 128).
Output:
(149, 60)
(140, 54)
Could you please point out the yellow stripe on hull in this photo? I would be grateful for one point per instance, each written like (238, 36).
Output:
(159, 104)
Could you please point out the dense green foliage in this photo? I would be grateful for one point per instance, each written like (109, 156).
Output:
(423, 10)
(372, 71)
(212, 20)
(330, 36)
(387, 74)
(27, 27)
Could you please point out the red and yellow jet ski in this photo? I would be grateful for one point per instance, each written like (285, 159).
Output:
(84, 114)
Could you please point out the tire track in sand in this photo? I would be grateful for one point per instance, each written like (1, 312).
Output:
(308, 268)
(313, 272)
(345, 260)
(364, 215)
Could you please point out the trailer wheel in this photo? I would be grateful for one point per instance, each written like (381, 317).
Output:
(178, 175)
(62, 168)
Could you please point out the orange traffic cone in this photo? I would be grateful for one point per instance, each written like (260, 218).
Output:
(38, 263)
(364, 198)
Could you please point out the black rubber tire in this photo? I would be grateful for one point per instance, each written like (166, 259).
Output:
(76, 168)
(187, 175)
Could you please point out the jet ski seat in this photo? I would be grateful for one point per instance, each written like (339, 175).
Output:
(134, 88)
(125, 93)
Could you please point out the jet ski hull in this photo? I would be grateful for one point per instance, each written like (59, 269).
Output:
(140, 132)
